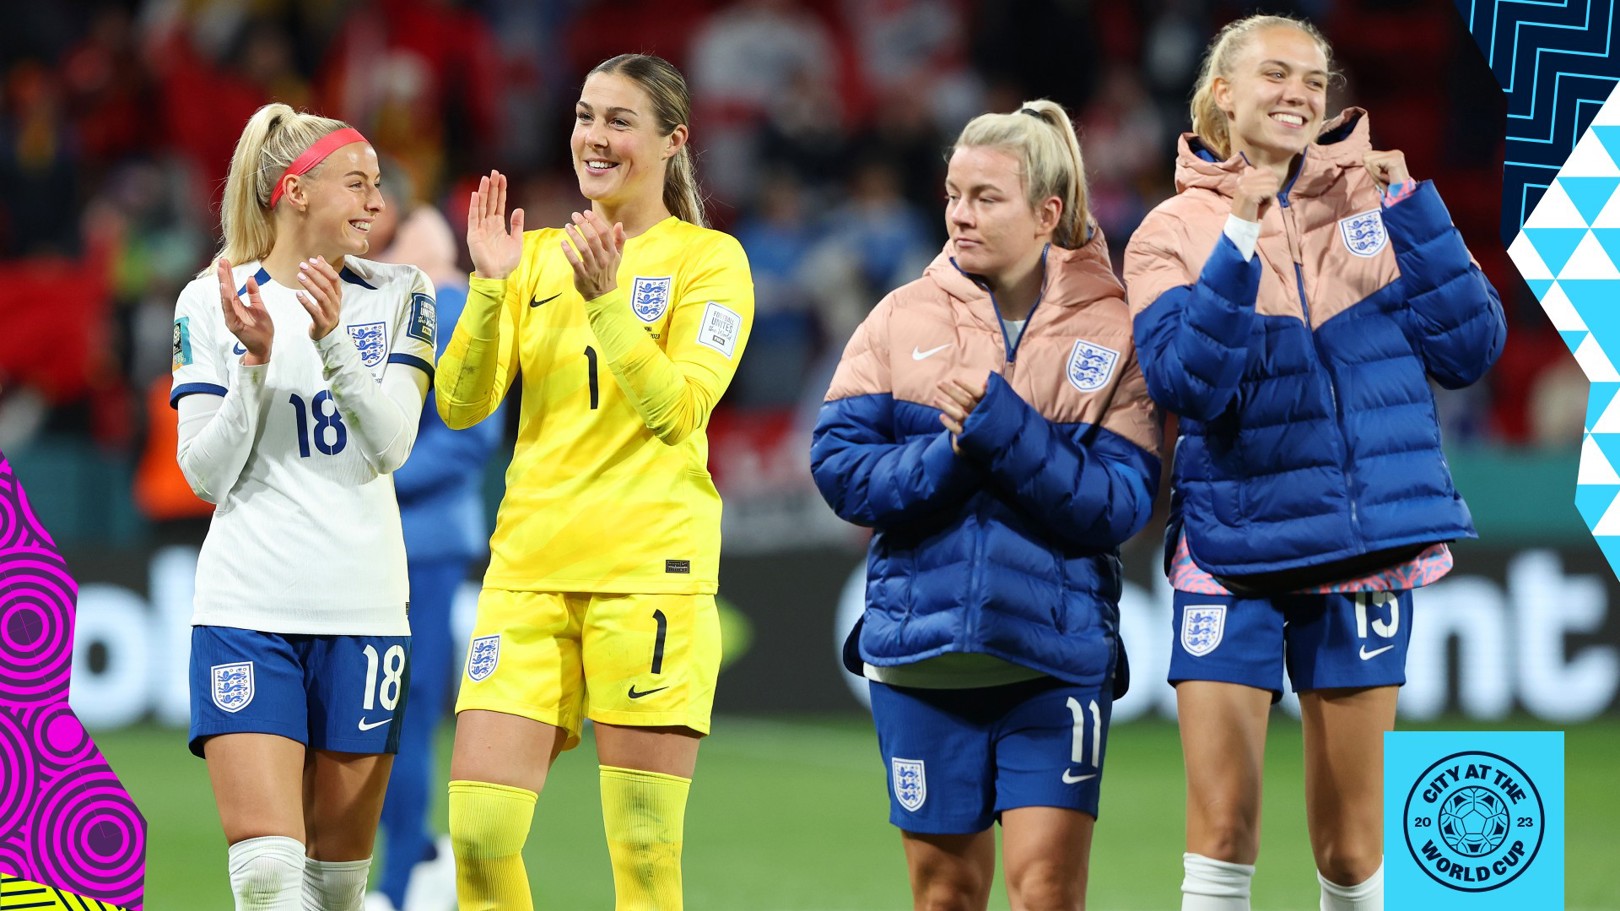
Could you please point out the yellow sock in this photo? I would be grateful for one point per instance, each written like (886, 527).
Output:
(644, 814)
(488, 825)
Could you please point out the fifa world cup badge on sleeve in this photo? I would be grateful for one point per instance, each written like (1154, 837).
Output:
(424, 319)
(1473, 820)
(719, 329)
(182, 343)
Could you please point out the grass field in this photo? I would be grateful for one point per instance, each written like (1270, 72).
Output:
(791, 816)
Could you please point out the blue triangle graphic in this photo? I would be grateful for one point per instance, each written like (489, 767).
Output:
(1609, 444)
(1593, 500)
(1556, 245)
(1598, 401)
(1610, 545)
(1610, 137)
(1590, 194)
(1597, 301)
(1539, 287)
(1574, 339)
(1609, 240)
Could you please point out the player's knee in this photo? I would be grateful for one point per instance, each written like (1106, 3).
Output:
(1231, 837)
(954, 888)
(265, 870)
(1046, 887)
(1348, 864)
(488, 820)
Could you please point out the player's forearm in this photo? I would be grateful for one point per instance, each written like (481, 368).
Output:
(217, 433)
(669, 402)
(382, 417)
(468, 373)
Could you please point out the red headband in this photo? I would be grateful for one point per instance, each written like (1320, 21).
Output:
(314, 155)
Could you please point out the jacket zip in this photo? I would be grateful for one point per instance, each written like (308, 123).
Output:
(1010, 357)
(1333, 391)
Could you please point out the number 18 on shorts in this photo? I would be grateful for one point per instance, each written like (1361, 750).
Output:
(342, 693)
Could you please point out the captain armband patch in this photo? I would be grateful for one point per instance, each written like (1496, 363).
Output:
(720, 328)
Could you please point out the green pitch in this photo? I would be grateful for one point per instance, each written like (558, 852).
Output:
(792, 816)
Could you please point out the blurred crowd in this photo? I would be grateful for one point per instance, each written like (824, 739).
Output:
(821, 127)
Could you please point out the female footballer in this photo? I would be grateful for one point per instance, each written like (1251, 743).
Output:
(299, 375)
(626, 325)
(1292, 304)
(990, 423)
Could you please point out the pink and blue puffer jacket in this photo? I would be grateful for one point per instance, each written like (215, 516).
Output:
(1308, 433)
(1010, 548)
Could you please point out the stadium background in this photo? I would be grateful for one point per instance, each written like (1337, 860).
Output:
(820, 126)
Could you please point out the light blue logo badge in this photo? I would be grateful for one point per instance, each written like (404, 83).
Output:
(1473, 820)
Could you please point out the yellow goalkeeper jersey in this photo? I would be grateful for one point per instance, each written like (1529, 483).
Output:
(609, 487)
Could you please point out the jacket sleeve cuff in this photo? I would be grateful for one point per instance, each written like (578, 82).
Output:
(993, 423)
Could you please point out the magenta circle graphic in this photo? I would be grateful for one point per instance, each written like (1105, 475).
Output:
(36, 626)
(59, 739)
(63, 735)
(17, 773)
(88, 837)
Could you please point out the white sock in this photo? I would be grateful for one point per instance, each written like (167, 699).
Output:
(1214, 885)
(1365, 896)
(265, 873)
(335, 885)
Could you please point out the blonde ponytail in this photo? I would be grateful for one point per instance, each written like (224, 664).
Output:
(274, 136)
(1041, 136)
(1208, 120)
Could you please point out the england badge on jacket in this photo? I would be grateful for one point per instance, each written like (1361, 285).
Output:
(1364, 234)
(1091, 365)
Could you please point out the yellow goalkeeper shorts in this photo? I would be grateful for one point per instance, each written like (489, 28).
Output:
(558, 658)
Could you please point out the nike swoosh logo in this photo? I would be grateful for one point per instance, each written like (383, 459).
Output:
(1368, 656)
(536, 303)
(1076, 779)
(918, 354)
(238, 349)
(637, 694)
(366, 726)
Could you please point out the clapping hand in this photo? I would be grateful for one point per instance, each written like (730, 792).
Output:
(593, 249)
(248, 321)
(321, 293)
(495, 250)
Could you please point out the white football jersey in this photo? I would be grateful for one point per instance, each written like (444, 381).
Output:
(308, 539)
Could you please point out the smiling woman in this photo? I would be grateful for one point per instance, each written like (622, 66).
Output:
(1292, 303)
(299, 373)
(605, 558)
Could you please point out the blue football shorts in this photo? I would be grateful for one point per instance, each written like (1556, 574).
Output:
(1353, 640)
(958, 758)
(340, 693)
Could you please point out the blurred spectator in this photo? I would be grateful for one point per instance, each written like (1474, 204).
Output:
(39, 165)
